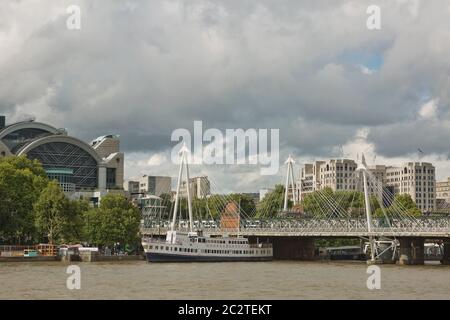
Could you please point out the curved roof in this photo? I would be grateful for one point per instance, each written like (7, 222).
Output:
(60, 138)
(26, 125)
(101, 138)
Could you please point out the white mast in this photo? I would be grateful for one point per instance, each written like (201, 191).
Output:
(184, 164)
(362, 167)
(289, 174)
(188, 188)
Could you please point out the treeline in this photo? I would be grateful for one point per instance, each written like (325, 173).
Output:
(34, 209)
(213, 206)
(329, 203)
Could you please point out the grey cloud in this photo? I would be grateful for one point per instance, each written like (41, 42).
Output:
(144, 68)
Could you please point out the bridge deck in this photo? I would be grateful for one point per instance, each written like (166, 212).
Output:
(421, 227)
(260, 232)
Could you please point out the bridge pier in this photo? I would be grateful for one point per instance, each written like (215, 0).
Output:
(446, 254)
(290, 248)
(411, 251)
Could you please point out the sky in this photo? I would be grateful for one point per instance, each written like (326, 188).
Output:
(312, 69)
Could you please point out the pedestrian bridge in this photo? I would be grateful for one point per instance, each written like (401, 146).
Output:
(424, 227)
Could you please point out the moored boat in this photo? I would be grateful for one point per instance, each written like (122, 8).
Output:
(182, 246)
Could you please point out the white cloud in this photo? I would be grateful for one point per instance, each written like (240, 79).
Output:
(157, 159)
(429, 109)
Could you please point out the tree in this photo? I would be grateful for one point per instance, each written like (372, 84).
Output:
(73, 229)
(272, 203)
(402, 204)
(245, 202)
(329, 203)
(21, 182)
(54, 213)
(115, 221)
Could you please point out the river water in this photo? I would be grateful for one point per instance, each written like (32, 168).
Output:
(261, 280)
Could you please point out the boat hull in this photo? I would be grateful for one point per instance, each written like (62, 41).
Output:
(167, 257)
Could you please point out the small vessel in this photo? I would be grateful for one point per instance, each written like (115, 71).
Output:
(192, 246)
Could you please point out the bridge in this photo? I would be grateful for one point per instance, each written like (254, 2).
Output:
(396, 234)
(430, 228)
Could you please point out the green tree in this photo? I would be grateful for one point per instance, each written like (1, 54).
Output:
(314, 203)
(402, 204)
(246, 203)
(272, 203)
(329, 203)
(55, 215)
(115, 221)
(21, 182)
(73, 230)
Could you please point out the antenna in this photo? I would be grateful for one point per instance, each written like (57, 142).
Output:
(419, 153)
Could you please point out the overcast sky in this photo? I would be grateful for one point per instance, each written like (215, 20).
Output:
(312, 69)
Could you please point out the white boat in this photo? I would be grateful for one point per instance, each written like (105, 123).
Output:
(190, 246)
(193, 246)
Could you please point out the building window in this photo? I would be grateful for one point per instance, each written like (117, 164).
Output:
(110, 177)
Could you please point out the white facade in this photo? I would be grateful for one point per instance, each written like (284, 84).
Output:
(443, 190)
(417, 179)
(337, 174)
(199, 187)
(414, 178)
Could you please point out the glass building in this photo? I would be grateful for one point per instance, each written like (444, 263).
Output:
(76, 165)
